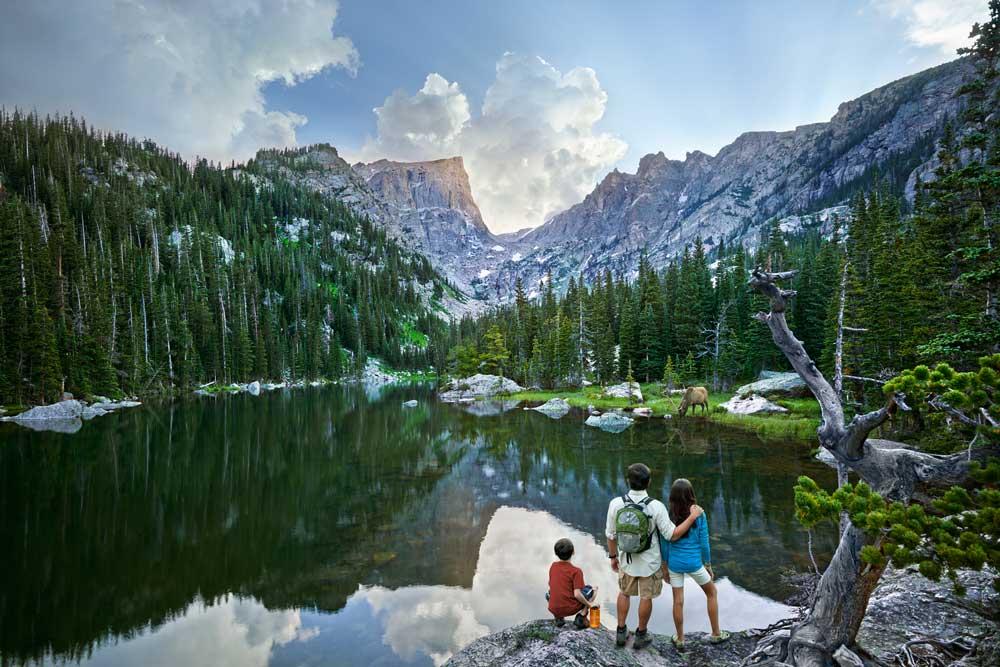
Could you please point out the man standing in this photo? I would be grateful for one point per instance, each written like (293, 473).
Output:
(632, 525)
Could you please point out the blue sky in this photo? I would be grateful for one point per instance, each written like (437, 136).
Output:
(679, 75)
(540, 98)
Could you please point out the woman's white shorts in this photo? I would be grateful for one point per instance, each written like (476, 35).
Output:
(700, 576)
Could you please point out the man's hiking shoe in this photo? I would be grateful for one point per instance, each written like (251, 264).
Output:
(719, 638)
(621, 636)
(642, 640)
(560, 622)
(679, 645)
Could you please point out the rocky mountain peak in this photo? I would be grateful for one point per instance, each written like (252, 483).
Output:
(440, 183)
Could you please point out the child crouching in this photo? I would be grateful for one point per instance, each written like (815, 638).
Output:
(568, 595)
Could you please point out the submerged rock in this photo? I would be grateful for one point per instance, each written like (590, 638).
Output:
(773, 383)
(478, 386)
(751, 405)
(412, 403)
(540, 643)
(612, 422)
(624, 390)
(68, 425)
(555, 408)
(487, 408)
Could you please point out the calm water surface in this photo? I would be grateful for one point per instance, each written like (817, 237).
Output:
(333, 526)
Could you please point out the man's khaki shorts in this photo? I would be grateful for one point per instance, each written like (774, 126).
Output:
(645, 587)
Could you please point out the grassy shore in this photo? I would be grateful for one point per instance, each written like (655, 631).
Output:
(800, 422)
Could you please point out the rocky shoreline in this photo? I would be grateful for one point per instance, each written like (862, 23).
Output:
(67, 416)
(905, 607)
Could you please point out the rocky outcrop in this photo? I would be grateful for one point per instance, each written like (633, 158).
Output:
(541, 644)
(70, 409)
(479, 386)
(772, 383)
(751, 405)
(907, 606)
(555, 408)
(67, 416)
(624, 390)
(612, 422)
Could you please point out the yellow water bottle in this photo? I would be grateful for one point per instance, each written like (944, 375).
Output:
(595, 616)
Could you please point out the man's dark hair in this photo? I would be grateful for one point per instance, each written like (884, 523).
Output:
(564, 549)
(638, 477)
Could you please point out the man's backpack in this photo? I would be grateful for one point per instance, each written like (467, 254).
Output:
(632, 526)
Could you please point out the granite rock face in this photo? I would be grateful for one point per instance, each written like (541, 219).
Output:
(907, 606)
(479, 386)
(69, 409)
(796, 175)
(771, 384)
(555, 408)
(751, 405)
(541, 644)
(624, 390)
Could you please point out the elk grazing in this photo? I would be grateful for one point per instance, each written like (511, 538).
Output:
(694, 396)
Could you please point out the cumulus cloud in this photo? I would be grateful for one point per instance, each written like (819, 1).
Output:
(186, 74)
(941, 24)
(531, 152)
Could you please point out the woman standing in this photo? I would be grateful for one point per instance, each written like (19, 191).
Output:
(690, 556)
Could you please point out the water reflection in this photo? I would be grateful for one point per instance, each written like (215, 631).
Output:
(392, 534)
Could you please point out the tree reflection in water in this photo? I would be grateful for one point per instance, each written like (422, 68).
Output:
(293, 500)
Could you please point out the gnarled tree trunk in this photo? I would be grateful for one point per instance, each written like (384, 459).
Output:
(890, 469)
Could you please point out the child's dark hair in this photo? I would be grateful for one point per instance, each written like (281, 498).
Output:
(681, 500)
(564, 549)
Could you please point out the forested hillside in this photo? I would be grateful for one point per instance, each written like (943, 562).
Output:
(123, 269)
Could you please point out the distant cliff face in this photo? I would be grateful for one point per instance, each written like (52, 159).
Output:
(667, 203)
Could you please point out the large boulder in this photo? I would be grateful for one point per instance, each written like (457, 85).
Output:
(70, 409)
(906, 606)
(776, 384)
(555, 408)
(624, 390)
(374, 374)
(752, 405)
(612, 422)
(540, 643)
(479, 386)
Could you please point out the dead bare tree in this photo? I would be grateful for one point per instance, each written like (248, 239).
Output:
(898, 474)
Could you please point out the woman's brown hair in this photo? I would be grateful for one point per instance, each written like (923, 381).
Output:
(681, 500)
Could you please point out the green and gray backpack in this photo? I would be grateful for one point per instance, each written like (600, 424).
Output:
(632, 526)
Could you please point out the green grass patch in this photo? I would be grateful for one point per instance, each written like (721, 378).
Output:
(414, 336)
(800, 423)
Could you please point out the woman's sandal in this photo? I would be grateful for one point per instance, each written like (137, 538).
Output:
(718, 639)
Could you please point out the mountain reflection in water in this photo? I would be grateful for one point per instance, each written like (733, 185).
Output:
(331, 526)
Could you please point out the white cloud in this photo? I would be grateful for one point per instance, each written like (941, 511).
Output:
(531, 152)
(188, 75)
(941, 24)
